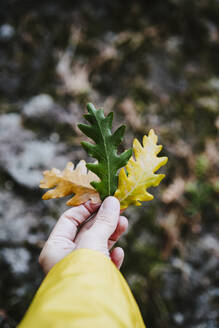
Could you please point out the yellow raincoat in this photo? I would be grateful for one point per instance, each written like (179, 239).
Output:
(84, 290)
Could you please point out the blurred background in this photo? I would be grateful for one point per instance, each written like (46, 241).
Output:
(155, 64)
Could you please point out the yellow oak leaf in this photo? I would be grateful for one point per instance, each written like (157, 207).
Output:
(138, 174)
(71, 181)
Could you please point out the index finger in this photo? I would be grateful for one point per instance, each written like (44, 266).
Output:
(70, 220)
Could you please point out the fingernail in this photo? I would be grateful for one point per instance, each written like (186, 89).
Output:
(111, 203)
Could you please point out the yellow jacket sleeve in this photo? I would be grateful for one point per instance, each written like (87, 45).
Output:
(84, 290)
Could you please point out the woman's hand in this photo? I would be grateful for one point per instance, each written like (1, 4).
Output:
(100, 233)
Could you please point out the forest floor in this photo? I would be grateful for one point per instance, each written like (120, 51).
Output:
(155, 64)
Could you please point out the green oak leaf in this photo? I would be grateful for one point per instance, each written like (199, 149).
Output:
(104, 149)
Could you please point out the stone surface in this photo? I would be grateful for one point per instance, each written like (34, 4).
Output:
(23, 156)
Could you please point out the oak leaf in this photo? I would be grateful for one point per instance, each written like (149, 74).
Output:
(104, 149)
(71, 181)
(138, 174)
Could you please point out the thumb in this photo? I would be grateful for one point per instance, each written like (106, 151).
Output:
(107, 218)
(103, 225)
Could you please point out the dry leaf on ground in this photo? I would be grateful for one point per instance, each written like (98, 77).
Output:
(174, 191)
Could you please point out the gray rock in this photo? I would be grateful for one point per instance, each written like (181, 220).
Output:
(23, 156)
(6, 31)
(210, 243)
(17, 258)
(15, 221)
(22, 223)
(39, 106)
(43, 110)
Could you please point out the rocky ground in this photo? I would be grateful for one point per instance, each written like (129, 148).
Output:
(155, 64)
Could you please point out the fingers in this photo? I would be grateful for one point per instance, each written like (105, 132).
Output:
(95, 236)
(117, 256)
(68, 223)
(122, 226)
(100, 233)
(107, 218)
(60, 242)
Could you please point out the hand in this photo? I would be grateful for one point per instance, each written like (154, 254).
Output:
(100, 233)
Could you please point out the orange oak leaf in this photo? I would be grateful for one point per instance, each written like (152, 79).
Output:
(71, 181)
